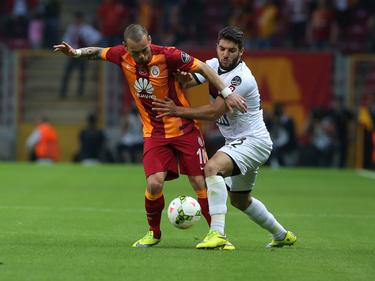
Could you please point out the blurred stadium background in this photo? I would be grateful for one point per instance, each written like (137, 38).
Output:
(305, 55)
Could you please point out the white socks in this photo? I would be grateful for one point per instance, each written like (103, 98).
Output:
(260, 215)
(217, 201)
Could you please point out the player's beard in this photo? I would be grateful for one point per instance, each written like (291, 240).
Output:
(230, 66)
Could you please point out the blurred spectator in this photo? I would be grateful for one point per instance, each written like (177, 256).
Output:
(322, 30)
(357, 31)
(283, 135)
(342, 118)
(321, 136)
(36, 29)
(366, 127)
(267, 24)
(189, 33)
(297, 14)
(78, 35)
(145, 14)
(43, 143)
(16, 21)
(131, 143)
(243, 16)
(51, 17)
(112, 17)
(92, 143)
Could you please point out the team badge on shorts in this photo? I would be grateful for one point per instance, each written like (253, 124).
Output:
(236, 81)
(185, 57)
(200, 141)
(155, 71)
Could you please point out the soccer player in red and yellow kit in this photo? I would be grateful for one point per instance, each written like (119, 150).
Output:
(169, 142)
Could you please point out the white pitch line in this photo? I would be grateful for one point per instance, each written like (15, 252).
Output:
(71, 209)
(231, 213)
(366, 174)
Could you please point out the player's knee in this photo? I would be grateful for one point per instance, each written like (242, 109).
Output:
(154, 186)
(198, 183)
(240, 202)
(210, 169)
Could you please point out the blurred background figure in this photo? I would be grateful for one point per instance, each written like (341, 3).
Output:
(78, 34)
(319, 150)
(297, 15)
(43, 143)
(283, 135)
(92, 143)
(112, 18)
(51, 16)
(343, 119)
(130, 147)
(366, 120)
(267, 24)
(322, 30)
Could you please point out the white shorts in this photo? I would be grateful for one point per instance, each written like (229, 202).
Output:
(249, 154)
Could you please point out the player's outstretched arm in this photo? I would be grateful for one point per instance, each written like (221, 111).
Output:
(232, 99)
(167, 107)
(91, 53)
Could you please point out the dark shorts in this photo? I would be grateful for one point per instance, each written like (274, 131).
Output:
(184, 154)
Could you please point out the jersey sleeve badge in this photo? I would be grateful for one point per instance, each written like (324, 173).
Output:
(185, 57)
(236, 81)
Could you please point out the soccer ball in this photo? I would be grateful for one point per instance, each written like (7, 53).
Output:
(184, 211)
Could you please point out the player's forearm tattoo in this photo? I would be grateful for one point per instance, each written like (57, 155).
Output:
(91, 53)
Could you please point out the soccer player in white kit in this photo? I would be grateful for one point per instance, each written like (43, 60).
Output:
(247, 143)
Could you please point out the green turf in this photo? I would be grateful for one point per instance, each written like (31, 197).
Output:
(71, 223)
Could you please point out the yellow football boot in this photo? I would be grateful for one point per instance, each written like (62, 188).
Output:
(146, 241)
(214, 240)
(289, 240)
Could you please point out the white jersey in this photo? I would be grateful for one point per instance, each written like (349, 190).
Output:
(240, 125)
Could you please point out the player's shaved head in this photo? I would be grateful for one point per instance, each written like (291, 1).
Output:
(232, 33)
(135, 32)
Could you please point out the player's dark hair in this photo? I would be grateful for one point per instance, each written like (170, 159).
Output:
(232, 33)
(135, 32)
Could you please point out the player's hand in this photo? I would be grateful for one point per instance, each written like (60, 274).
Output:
(236, 101)
(165, 106)
(65, 48)
(183, 77)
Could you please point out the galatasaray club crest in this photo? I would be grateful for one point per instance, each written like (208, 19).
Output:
(155, 71)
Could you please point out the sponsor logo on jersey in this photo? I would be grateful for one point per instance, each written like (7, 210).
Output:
(144, 88)
(223, 121)
(236, 81)
(155, 71)
(185, 57)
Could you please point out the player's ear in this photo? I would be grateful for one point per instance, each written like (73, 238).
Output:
(241, 51)
(149, 39)
(124, 44)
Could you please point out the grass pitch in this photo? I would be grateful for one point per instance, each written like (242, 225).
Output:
(68, 223)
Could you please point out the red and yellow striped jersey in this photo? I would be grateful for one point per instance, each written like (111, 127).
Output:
(156, 80)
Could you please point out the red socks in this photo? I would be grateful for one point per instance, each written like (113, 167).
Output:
(203, 201)
(154, 205)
